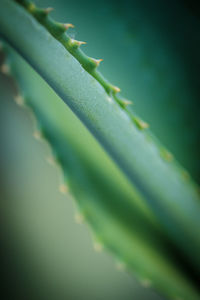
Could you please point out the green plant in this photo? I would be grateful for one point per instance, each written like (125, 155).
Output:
(141, 235)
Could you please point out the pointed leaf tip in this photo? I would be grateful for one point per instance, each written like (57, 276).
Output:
(144, 125)
(79, 218)
(97, 61)
(127, 102)
(68, 25)
(116, 89)
(48, 10)
(37, 134)
(19, 100)
(98, 247)
(120, 266)
(5, 69)
(140, 123)
(166, 155)
(63, 189)
(31, 7)
(76, 43)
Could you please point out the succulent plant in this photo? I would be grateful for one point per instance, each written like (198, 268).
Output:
(150, 221)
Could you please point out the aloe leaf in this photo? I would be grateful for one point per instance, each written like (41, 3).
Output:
(171, 194)
(119, 217)
(175, 202)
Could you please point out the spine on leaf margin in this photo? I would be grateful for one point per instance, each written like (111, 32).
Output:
(58, 31)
